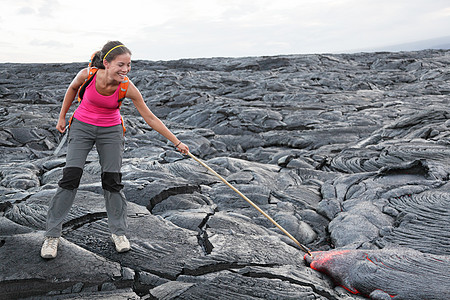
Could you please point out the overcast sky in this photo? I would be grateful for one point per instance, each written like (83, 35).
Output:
(71, 30)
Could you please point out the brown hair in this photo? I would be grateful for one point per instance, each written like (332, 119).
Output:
(97, 60)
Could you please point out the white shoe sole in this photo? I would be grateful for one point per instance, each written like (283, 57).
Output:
(120, 250)
(47, 256)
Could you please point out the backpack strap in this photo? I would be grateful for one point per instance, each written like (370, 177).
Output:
(123, 89)
(122, 94)
(91, 59)
(82, 89)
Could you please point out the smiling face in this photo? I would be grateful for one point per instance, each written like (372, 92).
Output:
(118, 67)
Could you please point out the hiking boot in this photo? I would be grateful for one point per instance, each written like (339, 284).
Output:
(121, 242)
(50, 247)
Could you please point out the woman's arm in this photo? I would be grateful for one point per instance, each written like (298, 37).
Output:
(69, 97)
(152, 120)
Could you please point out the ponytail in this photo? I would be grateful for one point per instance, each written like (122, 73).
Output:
(97, 60)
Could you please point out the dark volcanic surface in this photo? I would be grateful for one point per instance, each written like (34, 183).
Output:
(349, 153)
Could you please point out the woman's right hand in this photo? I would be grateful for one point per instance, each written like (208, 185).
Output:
(61, 126)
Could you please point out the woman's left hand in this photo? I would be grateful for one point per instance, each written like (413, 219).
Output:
(183, 148)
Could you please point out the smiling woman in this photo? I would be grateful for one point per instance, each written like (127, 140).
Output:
(97, 121)
(107, 72)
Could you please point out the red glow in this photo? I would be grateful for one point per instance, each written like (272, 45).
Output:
(392, 296)
(366, 256)
(351, 291)
(321, 260)
(439, 260)
(324, 262)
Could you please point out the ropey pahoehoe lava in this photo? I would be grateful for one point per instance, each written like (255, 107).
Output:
(348, 152)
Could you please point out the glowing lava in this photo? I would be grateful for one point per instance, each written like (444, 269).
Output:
(399, 273)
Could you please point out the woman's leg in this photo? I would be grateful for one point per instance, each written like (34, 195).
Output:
(81, 140)
(110, 145)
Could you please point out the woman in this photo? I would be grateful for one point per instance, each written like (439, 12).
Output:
(97, 121)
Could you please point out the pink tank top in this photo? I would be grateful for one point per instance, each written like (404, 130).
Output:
(97, 109)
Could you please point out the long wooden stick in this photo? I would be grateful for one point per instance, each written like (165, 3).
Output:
(306, 250)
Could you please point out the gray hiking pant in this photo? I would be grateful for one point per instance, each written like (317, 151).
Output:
(109, 142)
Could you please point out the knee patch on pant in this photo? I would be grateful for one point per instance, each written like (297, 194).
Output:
(112, 182)
(71, 178)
